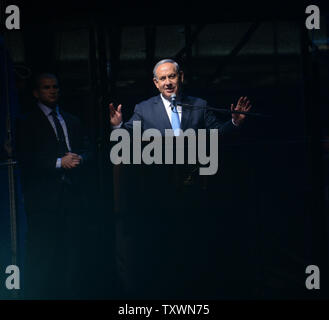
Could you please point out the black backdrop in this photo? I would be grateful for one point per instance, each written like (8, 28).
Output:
(273, 175)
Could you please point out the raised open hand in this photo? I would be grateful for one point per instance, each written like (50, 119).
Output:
(115, 114)
(242, 105)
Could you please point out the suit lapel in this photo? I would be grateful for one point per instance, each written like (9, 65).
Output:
(186, 112)
(67, 123)
(45, 125)
(163, 122)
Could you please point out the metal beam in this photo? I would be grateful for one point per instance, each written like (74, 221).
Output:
(115, 39)
(150, 41)
(190, 38)
(230, 57)
(150, 45)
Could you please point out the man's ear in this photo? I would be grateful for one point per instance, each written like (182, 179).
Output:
(35, 94)
(155, 81)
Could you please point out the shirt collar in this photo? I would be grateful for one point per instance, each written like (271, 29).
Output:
(46, 110)
(167, 102)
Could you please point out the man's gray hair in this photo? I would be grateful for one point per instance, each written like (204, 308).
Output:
(41, 76)
(162, 62)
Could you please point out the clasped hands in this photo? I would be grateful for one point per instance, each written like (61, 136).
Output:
(71, 160)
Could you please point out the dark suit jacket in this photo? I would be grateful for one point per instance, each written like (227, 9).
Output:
(153, 115)
(37, 153)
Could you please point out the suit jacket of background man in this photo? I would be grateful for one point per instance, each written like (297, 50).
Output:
(153, 115)
(37, 154)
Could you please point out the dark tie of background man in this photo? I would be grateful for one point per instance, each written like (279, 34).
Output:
(60, 134)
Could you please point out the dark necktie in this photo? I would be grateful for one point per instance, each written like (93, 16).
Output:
(60, 135)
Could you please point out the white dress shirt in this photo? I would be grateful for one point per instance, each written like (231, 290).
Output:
(47, 111)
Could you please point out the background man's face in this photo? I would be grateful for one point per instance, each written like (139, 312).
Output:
(168, 81)
(48, 92)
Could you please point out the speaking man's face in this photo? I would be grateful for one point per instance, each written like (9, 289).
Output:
(47, 92)
(167, 80)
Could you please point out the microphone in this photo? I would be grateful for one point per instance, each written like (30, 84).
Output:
(173, 101)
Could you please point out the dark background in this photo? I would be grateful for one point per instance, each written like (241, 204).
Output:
(274, 176)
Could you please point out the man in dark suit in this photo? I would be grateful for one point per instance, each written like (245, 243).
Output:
(165, 234)
(53, 151)
(157, 112)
